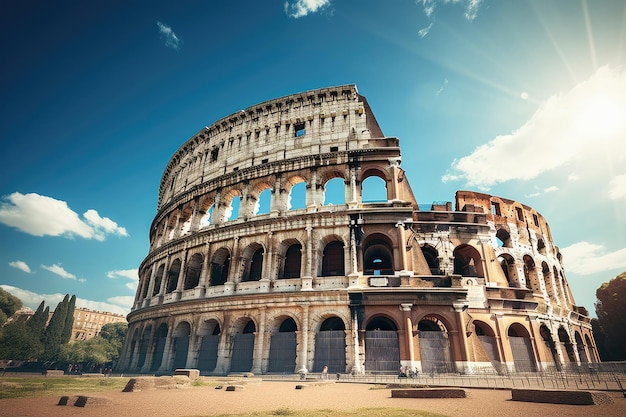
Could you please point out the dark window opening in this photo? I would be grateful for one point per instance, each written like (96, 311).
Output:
(333, 262)
(293, 259)
(520, 214)
(536, 220)
(299, 128)
(214, 154)
(495, 208)
(334, 148)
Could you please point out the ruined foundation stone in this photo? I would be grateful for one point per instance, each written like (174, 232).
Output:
(252, 268)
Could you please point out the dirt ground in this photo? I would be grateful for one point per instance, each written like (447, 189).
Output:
(256, 396)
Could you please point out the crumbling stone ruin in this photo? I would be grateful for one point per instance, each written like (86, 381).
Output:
(250, 269)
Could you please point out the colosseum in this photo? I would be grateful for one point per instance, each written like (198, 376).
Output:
(252, 268)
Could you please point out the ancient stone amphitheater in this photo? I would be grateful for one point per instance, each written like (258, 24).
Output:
(252, 268)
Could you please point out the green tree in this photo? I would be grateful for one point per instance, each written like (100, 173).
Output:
(95, 351)
(18, 343)
(611, 312)
(66, 335)
(114, 333)
(9, 304)
(52, 337)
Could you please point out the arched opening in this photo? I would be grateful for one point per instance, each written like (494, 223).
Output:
(207, 356)
(555, 278)
(333, 259)
(180, 345)
(282, 356)
(206, 218)
(432, 259)
(580, 347)
(504, 238)
(489, 344)
(377, 256)
(547, 279)
(467, 261)
(292, 262)
(566, 344)
(172, 276)
(194, 268)
(254, 264)
(157, 280)
(330, 346)
(374, 190)
(530, 274)
(159, 347)
(523, 357)
(546, 335)
(232, 210)
(145, 282)
(591, 348)
(434, 346)
(382, 348)
(335, 192)
(507, 263)
(541, 247)
(220, 266)
(243, 348)
(297, 197)
(143, 347)
(262, 205)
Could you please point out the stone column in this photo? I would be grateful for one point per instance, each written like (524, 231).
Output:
(259, 340)
(303, 350)
(408, 333)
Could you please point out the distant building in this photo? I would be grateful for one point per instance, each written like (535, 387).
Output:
(87, 323)
(22, 312)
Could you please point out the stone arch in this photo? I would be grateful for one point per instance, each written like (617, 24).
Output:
(374, 186)
(504, 238)
(158, 277)
(193, 271)
(330, 345)
(290, 263)
(521, 347)
(160, 337)
(467, 261)
(186, 218)
(205, 211)
(242, 349)
(546, 335)
(377, 255)
(566, 344)
(261, 196)
(432, 258)
(144, 344)
(180, 344)
(220, 265)
(547, 279)
(488, 342)
(591, 348)
(434, 345)
(333, 188)
(541, 246)
(382, 346)
(555, 278)
(253, 262)
(530, 274)
(172, 275)
(282, 354)
(296, 189)
(580, 347)
(509, 269)
(231, 201)
(333, 258)
(210, 333)
(145, 283)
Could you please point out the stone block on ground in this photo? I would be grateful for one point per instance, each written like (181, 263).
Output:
(428, 393)
(144, 383)
(235, 388)
(191, 373)
(570, 397)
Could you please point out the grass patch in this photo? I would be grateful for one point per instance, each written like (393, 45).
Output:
(359, 412)
(44, 386)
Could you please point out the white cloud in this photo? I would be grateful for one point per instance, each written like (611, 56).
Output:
(551, 189)
(39, 215)
(471, 6)
(21, 265)
(60, 271)
(573, 177)
(171, 40)
(586, 258)
(424, 31)
(579, 126)
(132, 274)
(617, 187)
(118, 305)
(301, 8)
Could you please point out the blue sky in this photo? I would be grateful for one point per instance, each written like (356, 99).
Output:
(521, 99)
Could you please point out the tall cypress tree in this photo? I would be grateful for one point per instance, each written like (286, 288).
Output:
(36, 326)
(54, 331)
(69, 321)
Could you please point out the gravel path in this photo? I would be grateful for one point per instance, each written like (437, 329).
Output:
(207, 401)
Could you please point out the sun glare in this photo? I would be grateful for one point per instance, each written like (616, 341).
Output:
(602, 115)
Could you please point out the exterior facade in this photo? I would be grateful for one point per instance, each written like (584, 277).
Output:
(250, 269)
(87, 323)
